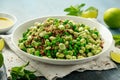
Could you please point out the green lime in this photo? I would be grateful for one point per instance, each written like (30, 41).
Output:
(112, 17)
(91, 12)
(1, 59)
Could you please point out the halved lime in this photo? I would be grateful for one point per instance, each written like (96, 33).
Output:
(91, 12)
(115, 56)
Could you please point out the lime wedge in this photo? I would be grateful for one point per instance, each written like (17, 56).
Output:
(1, 44)
(115, 56)
(1, 47)
(91, 12)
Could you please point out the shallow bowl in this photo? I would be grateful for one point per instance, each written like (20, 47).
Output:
(104, 32)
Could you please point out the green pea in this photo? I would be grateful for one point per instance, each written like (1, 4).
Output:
(65, 52)
(65, 22)
(46, 36)
(78, 43)
(70, 42)
(66, 33)
(54, 42)
(37, 53)
(70, 47)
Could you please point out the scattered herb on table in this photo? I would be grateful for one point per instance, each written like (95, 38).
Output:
(116, 37)
(20, 73)
(76, 10)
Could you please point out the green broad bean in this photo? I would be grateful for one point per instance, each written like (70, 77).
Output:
(76, 34)
(81, 57)
(52, 38)
(83, 41)
(47, 48)
(70, 52)
(61, 27)
(60, 55)
(94, 36)
(68, 37)
(81, 51)
(43, 33)
(74, 57)
(34, 43)
(21, 45)
(37, 24)
(74, 41)
(67, 43)
(88, 46)
(30, 50)
(70, 31)
(62, 46)
(68, 57)
(89, 54)
(80, 29)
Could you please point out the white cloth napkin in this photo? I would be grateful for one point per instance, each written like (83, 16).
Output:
(13, 58)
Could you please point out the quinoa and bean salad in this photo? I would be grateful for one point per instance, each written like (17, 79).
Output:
(61, 39)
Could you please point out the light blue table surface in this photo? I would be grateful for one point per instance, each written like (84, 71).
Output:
(29, 9)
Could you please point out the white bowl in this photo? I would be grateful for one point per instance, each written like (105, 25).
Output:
(9, 16)
(105, 34)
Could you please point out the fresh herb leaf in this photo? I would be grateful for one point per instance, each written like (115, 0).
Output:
(90, 12)
(116, 37)
(74, 10)
(20, 73)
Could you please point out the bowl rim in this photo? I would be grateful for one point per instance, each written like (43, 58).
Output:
(8, 14)
(63, 60)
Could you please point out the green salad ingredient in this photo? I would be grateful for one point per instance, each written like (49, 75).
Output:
(76, 10)
(116, 37)
(20, 73)
(115, 56)
(61, 39)
(112, 18)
